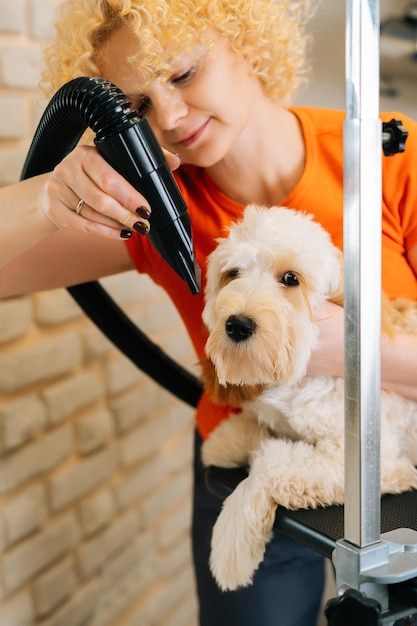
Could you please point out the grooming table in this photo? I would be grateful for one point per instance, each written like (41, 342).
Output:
(321, 528)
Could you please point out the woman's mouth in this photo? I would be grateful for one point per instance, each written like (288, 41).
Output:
(190, 139)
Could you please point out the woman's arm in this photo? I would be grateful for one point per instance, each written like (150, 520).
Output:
(398, 355)
(22, 224)
(63, 259)
(44, 243)
(34, 209)
(327, 359)
(399, 365)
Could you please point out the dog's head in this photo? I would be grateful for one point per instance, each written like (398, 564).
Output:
(264, 282)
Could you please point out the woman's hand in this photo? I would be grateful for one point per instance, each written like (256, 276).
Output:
(84, 193)
(398, 353)
(327, 359)
(42, 239)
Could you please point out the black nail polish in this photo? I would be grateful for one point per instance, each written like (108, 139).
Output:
(141, 228)
(125, 234)
(142, 211)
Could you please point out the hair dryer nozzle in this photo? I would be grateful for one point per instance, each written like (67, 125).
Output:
(135, 153)
(174, 243)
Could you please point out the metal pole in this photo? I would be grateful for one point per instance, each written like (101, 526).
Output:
(362, 250)
(364, 560)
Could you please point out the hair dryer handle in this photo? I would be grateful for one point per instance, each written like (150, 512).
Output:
(137, 156)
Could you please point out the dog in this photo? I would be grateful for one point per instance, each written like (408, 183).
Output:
(265, 284)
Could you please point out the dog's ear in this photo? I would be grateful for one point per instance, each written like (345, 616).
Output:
(227, 395)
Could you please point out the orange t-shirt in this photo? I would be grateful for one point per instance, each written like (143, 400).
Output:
(319, 192)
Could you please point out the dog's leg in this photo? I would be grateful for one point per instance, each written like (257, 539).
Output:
(397, 459)
(398, 443)
(301, 475)
(398, 475)
(291, 474)
(233, 441)
(240, 535)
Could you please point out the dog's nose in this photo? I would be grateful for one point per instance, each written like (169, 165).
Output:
(240, 327)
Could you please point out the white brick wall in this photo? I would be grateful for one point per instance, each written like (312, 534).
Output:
(13, 16)
(95, 459)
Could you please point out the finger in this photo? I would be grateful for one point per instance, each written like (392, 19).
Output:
(110, 198)
(173, 160)
(63, 214)
(110, 194)
(89, 214)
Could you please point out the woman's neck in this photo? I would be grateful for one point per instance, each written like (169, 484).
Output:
(266, 162)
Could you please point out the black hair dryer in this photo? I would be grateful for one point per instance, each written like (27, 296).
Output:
(125, 139)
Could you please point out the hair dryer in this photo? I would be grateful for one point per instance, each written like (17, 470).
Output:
(125, 139)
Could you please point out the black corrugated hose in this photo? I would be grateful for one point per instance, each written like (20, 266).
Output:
(97, 104)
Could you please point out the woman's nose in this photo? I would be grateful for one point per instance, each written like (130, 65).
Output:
(168, 107)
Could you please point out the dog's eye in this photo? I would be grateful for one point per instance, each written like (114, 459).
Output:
(228, 276)
(289, 279)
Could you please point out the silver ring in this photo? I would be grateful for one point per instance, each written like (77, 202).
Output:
(79, 207)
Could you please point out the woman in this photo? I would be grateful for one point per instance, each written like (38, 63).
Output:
(214, 79)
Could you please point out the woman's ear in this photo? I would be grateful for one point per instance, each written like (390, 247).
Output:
(227, 395)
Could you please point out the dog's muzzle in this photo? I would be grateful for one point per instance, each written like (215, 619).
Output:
(240, 327)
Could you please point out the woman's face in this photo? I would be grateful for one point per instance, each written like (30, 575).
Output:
(201, 111)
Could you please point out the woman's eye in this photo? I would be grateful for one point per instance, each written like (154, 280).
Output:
(185, 76)
(289, 279)
(143, 105)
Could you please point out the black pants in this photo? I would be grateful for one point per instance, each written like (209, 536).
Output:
(287, 587)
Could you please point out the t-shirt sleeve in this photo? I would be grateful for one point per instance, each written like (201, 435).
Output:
(400, 183)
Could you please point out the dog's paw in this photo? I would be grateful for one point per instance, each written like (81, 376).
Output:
(240, 535)
(298, 474)
(400, 476)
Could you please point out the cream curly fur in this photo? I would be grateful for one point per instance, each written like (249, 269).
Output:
(275, 269)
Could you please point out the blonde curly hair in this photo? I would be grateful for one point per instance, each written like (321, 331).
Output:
(269, 33)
